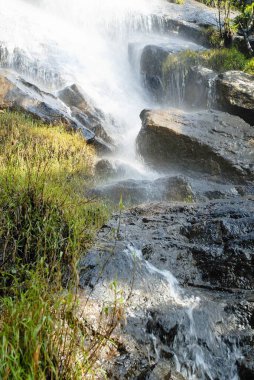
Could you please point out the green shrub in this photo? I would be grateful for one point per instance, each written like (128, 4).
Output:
(214, 37)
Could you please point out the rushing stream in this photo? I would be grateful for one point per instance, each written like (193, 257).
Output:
(60, 42)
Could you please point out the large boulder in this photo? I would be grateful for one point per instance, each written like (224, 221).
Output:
(163, 82)
(235, 94)
(18, 94)
(209, 142)
(84, 111)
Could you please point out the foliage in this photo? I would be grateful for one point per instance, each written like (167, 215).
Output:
(214, 37)
(249, 67)
(243, 23)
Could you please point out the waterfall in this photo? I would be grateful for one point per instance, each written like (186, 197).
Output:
(90, 42)
(85, 42)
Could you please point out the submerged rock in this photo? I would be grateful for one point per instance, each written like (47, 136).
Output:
(210, 142)
(235, 94)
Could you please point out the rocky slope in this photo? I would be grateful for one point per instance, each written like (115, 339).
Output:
(209, 248)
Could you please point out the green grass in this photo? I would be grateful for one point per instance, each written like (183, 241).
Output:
(249, 66)
(219, 60)
(43, 174)
(45, 225)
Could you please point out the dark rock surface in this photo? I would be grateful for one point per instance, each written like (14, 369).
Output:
(209, 248)
(235, 94)
(139, 191)
(204, 245)
(211, 142)
(83, 111)
(189, 30)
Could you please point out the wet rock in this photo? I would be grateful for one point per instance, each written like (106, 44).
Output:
(152, 71)
(235, 94)
(83, 110)
(139, 191)
(199, 87)
(211, 142)
(18, 60)
(162, 371)
(16, 93)
(189, 30)
(105, 169)
(166, 86)
(208, 244)
(163, 322)
(246, 367)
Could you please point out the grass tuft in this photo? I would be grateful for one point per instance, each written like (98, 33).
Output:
(219, 60)
(45, 225)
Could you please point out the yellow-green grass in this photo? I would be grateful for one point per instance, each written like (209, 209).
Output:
(219, 60)
(46, 223)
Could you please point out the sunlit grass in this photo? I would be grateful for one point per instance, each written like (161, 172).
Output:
(46, 223)
(219, 60)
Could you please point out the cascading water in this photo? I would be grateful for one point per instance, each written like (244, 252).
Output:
(61, 42)
(84, 42)
(197, 340)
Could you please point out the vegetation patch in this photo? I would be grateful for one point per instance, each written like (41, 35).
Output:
(219, 60)
(45, 225)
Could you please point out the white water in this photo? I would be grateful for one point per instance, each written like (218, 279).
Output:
(191, 359)
(86, 42)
